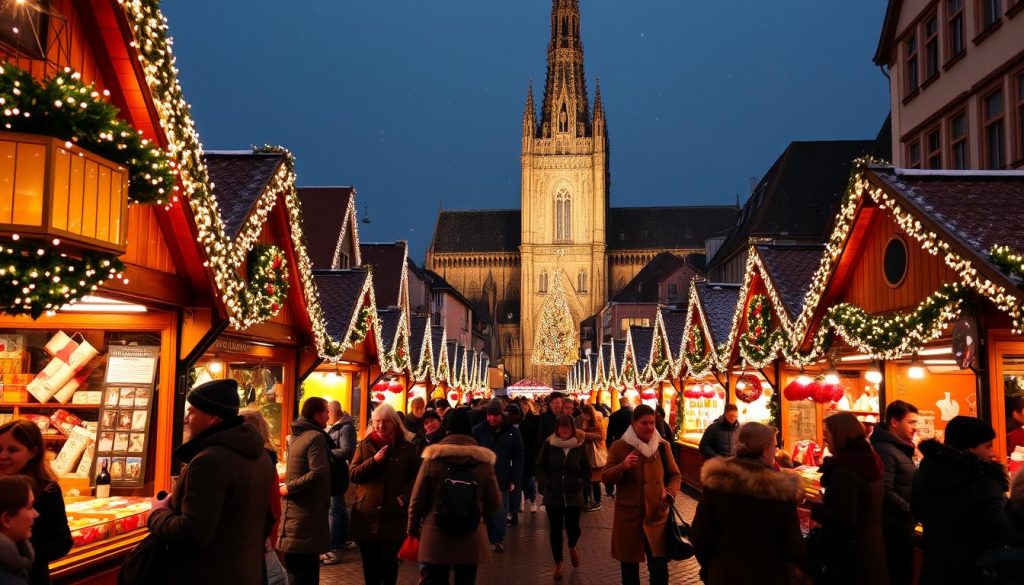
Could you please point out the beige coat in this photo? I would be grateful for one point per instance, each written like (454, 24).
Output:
(594, 446)
(442, 548)
(639, 508)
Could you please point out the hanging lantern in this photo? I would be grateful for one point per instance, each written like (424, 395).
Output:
(380, 386)
(394, 387)
(707, 392)
(648, 394)
(796, 390)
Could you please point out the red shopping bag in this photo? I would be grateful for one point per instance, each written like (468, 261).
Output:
(410, 550)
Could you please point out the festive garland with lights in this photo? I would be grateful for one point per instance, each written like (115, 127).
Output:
(760, 344)
(367, 316)
(1009, 261)
(67, 109)
(265, 294)
(38, 280)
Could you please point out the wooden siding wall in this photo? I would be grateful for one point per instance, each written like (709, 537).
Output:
(868, 288)
(81, 55)
(144, 249)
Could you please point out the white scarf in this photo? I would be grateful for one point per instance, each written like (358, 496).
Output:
(648, 449)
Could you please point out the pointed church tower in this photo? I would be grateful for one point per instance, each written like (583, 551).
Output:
(564, 185)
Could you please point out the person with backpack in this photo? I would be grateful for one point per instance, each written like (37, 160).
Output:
(455, 489)
(341, 433)
(563, 472)
(498, 435)
(383, 470)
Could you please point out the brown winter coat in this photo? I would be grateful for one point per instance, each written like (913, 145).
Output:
(380, 508)
(746, 529)
(639, 508)
(442, 548)
(219, 515)
(304, 512)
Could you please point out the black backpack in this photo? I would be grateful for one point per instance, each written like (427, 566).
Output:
(458, 512)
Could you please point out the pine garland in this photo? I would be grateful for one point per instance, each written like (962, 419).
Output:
(363, 324)
(67, 109)
(1009, 261)
(697, 359)
(36, 280)
(760, 344)
(265, 294)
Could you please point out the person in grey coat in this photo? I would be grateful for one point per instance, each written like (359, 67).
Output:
(719, 439)
(305, 532)
(894, 444)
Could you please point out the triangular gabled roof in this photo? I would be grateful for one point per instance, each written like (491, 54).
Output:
(641, 339)
(608, 363)
(789, 270)
(674, 322)
(345, 292)
(421, 354)
(238, 179)
(335, 210)
(390, 272)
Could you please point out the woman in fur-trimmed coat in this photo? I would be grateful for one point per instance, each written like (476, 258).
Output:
(746, 529)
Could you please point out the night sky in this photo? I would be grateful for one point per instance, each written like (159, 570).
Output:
(419, 103)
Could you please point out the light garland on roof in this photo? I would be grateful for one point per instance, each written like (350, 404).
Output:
(1009, 261)
(424, 367)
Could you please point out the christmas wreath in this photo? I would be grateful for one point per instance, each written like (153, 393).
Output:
(748, 388)
(67, 109)
(697, 361)
(758, 344)
(268, 283)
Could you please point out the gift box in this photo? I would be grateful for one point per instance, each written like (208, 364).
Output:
(64, 421)
(88, 530)
(87, 397)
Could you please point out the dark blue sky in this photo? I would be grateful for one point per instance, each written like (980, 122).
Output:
(417, 102)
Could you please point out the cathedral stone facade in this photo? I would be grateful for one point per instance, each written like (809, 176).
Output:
(505, 260)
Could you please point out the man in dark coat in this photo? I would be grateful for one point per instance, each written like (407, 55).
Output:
(218, 518)
(618, 422)
(341, 428)
(894, 443)
(528, 486)
(549, 418)
(719, 439)
(305, 531)
(498, 435)
(960, 498)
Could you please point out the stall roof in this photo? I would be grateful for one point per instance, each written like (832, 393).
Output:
(332, 211)
(239, 179)
(417, 337)
(642, 338)
(389, 264)
(791, 269)
(390, 321)
(675, 328)
(341, 295)
(718, 303)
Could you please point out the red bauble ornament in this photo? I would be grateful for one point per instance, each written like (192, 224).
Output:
(270, 290)
(649, 394)
(378, 396)
(707, 393)
(277, 262)
(275, 307)
(691, 393)
(795, 391)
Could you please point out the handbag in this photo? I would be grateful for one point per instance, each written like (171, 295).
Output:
(410, 550)
(147, 564)
(600, 456)
(276, 574)
(677, 531)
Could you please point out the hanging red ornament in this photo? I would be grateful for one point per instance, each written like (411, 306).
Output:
(274, 307)
(748, 388)
(278, 261)
(837, 392)
(270, 289)
(649, 394)
(796, 391)
(378, 396)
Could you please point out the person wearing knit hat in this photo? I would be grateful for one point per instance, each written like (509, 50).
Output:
(214, 522)
(959, 497)
(497, 434)
(216, 397)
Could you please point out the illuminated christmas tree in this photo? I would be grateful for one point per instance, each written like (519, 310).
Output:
(556, 342)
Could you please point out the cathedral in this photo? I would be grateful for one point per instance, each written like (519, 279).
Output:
(506, 260)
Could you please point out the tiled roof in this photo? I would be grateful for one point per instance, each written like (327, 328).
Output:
(606, 354)
(718, 302)
(453, 355)
(491, 230)
(675, 327)
(239, 179)
(592, 365)
(388, 263)
(666, 228)
(791, 269)
(389, 321)
(417, 335)
(460, 359)
(978, 209)
(340, 298)
(437, 344)
(798, 197)
(620, 354)
(642, 338)
(324, 209)
(643, 288)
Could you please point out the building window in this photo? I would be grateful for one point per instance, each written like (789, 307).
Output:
(933, 144)
(955, 27)
(626, 323)
(343, 260)
(958, 157)
(581, 281)
(991, 11)
(995, 134)
(914, 154)
(673, 289)
(563, 216)
(1020, 116)
(910, 46)
(543, 286)
(931, 47)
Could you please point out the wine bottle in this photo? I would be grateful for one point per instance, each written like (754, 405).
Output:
(103, 483)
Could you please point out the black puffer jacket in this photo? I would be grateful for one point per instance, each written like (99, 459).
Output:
(719, 439)
(960, 500)
(898, 459)
(562, 475)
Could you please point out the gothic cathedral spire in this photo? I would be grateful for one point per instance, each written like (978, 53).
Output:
(565, 110)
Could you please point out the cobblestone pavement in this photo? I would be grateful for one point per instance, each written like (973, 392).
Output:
(527, 559)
